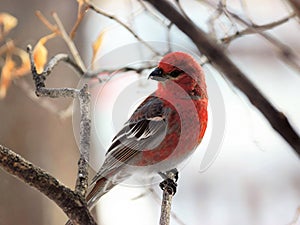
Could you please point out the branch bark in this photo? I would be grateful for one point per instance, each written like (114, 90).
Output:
(85, 122)
(85, 133)
(166, 208)
(221, 61)
(168, 186)
(72, 203)
(296, 6)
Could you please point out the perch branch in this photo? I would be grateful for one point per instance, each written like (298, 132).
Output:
(168, 186)
(222, 62)
(85, 121)
(165, 208)
(72, 203)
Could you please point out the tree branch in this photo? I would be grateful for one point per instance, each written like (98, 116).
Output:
(257, 28)
(72, 203)
(165, 208)
(215, 54)
(296, 6)
(168, 186)
(69, 42)
(85, 133)
(58, 58)
(117, 20)
(85, 121)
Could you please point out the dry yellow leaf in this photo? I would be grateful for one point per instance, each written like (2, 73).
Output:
(40, 53)
(8, 21)
(25, 63)
(97, 45)
(6, 75)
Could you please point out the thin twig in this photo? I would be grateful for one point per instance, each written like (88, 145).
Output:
(73, 204)
(255, 28)
(149, 11)
(102, 12)
(80, 15)
(182, 11)
(69, 42)
(46, 22)
(296, 6)
(285, 52)
(222, 62)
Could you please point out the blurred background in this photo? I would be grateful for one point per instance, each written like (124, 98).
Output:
(253, 175)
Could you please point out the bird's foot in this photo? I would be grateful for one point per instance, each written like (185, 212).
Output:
(169, 184)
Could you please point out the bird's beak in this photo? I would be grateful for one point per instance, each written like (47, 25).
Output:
(157, 74)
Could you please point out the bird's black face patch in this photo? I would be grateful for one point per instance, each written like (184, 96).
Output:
(175, 73)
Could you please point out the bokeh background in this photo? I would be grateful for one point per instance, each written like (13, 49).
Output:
(253, 180)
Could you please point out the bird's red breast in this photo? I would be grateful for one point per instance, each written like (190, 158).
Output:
(186, 99)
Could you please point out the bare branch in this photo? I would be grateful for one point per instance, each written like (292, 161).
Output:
(85, 121)
(69, 42)
(182, 11)
(286, 53)
(102, 12)
(165, 208)
(168, 186)
(46, 22)
(255, 28)
(296, 6)
(73, 204)
(85, 133)
(80, 15)
(216, 55)
(58, 58)
(96, 73)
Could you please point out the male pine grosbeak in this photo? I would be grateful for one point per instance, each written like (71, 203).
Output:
(163, 131)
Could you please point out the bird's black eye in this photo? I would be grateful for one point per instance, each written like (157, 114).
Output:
(176, 73)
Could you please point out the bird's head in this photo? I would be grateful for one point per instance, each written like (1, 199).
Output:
(181, 68)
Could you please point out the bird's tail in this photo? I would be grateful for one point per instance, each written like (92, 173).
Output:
(97, 190)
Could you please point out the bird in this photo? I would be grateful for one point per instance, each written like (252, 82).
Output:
(163, 131)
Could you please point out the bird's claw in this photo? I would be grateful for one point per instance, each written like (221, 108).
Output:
(169, 185)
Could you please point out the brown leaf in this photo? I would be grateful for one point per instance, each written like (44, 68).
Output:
(6, 75)
(8, 22)
(97, 45)
(40, 52)
(25, 63)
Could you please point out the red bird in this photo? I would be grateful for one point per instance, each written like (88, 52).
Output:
(163, 131)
